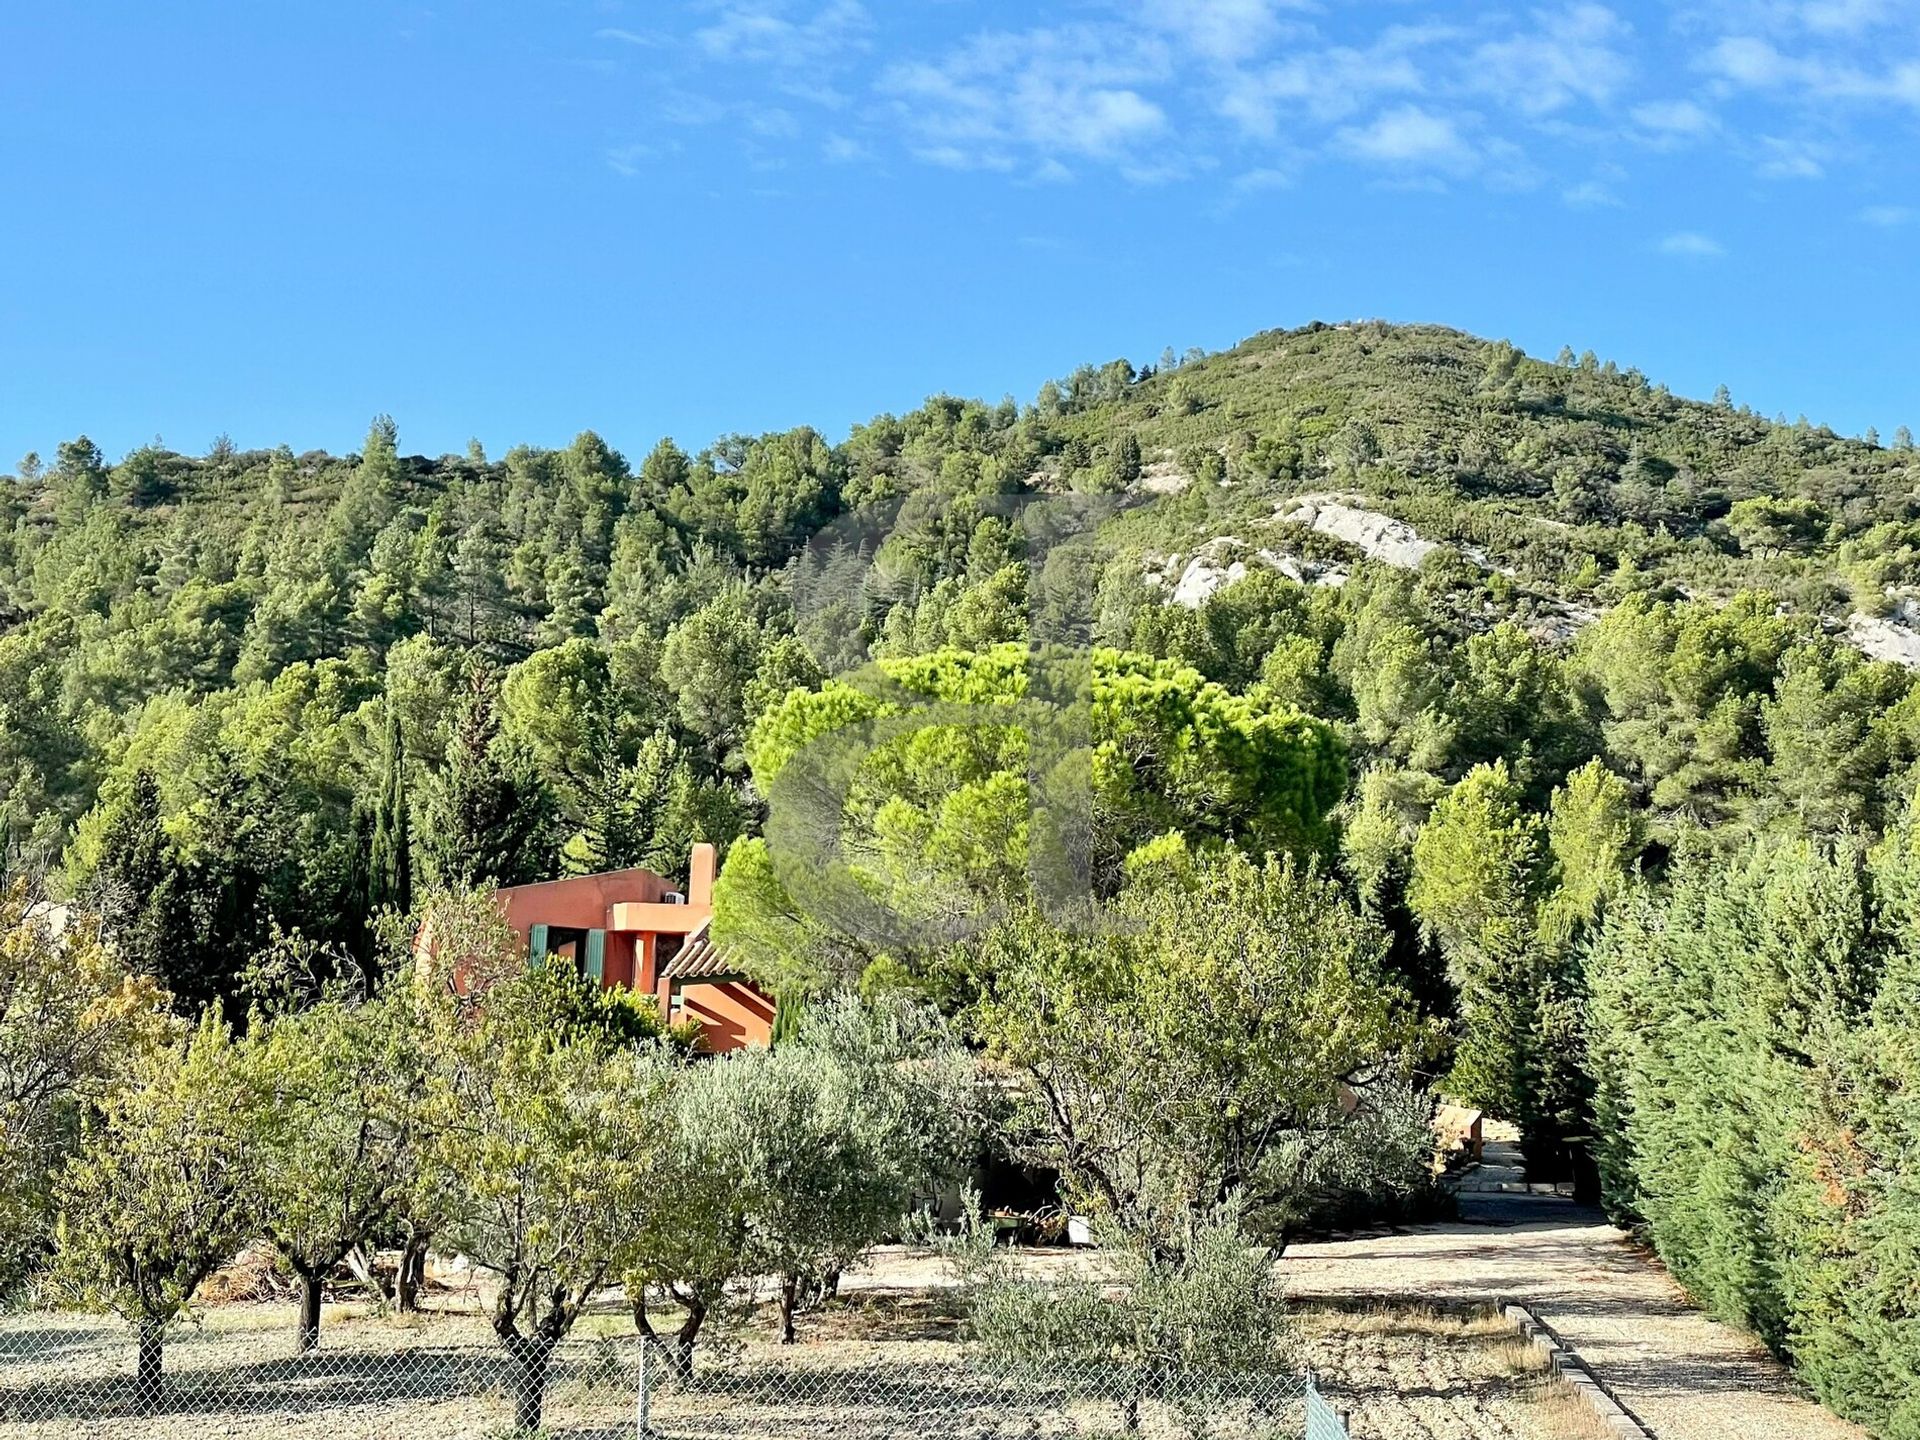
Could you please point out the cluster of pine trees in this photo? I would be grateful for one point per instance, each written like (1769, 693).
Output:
(251, 699)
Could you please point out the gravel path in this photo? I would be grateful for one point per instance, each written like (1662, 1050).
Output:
(1683, 1375)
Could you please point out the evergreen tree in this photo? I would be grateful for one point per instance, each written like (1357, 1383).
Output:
(1476, 887)
(492, 822)
(390, 851)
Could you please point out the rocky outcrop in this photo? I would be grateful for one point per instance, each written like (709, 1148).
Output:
(1894, 636)
(1225, 561)
(1378, 537)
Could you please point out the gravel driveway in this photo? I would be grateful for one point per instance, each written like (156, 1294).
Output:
(1684, 1376)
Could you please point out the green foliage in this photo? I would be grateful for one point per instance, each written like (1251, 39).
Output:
(74, 1025)
(490, 818)
(1200, 1049)
(533, 1154)
(1207, 1304)
(1752, 1038)
(1476, 886)
(941, 812)
(330, 1095)
(163, 1190)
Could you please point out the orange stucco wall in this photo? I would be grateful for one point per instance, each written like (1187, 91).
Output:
(732, 1013)
(583, 903)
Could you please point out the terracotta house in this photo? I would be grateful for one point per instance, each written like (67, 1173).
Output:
(633, 928)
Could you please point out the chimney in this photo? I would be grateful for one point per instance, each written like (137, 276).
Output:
(700, 877)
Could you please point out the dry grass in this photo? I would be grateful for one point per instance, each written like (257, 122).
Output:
(1414, 1371)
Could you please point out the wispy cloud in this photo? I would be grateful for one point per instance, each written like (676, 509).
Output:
(1791, 159)
(1591, 195)
(1692, 245)
(1158, 90)
(1409, 135)
(775, 31)
(1888, 217)
(1753, 63)
(1565, 56)
(630, 37)
(1673, 119)
(1075, 90)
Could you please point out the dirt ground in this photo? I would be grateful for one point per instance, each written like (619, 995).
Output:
(879, 1363)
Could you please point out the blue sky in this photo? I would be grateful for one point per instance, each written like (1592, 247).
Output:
(512, 219)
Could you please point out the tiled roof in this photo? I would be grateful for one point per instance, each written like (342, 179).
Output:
(699, 958)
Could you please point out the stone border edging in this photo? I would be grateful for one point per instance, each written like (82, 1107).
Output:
(1572, 1370)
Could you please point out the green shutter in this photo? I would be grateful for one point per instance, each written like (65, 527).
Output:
(536, 946)
(597, 956)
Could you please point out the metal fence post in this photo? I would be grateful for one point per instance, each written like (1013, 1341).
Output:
(643, 1429)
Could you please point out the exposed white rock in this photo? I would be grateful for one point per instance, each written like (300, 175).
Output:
(1380, 537)
(1895, 636)
(1226, 561)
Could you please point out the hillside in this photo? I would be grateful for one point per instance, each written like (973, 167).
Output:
(1550, 701)
(1539, 492)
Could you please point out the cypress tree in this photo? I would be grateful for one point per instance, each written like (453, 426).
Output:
(390, 858)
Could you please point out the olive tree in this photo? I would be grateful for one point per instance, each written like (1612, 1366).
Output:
(534, 1145)
(162, 1192)
(789, 1163)
(1211, 1307)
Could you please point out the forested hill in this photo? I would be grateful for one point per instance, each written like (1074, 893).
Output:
(1545, 703)
(211, 636)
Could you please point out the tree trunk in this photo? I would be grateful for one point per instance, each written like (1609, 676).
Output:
(637, 1298)
(528, 1380)
(149, 1381)
(412, 1275)
(361, 1264)
(789, 1302)
(681, 1357)
(309, 1339)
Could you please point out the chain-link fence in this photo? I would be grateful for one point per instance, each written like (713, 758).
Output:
(232, 1374)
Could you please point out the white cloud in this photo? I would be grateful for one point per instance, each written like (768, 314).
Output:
(1791, 159)
(1590, 195)
(1322, 85)
(629, 37)
(1749, 62)
(1265, 177)
(1569, 55)
(631, 160)
(1844, 16)
(1692, 245)
(1067, 91)
(1675, 119)
(762, 31)
(1408, 135)
(844, 150)
(1227, 31)
(1254, 91)
(1887, 217)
